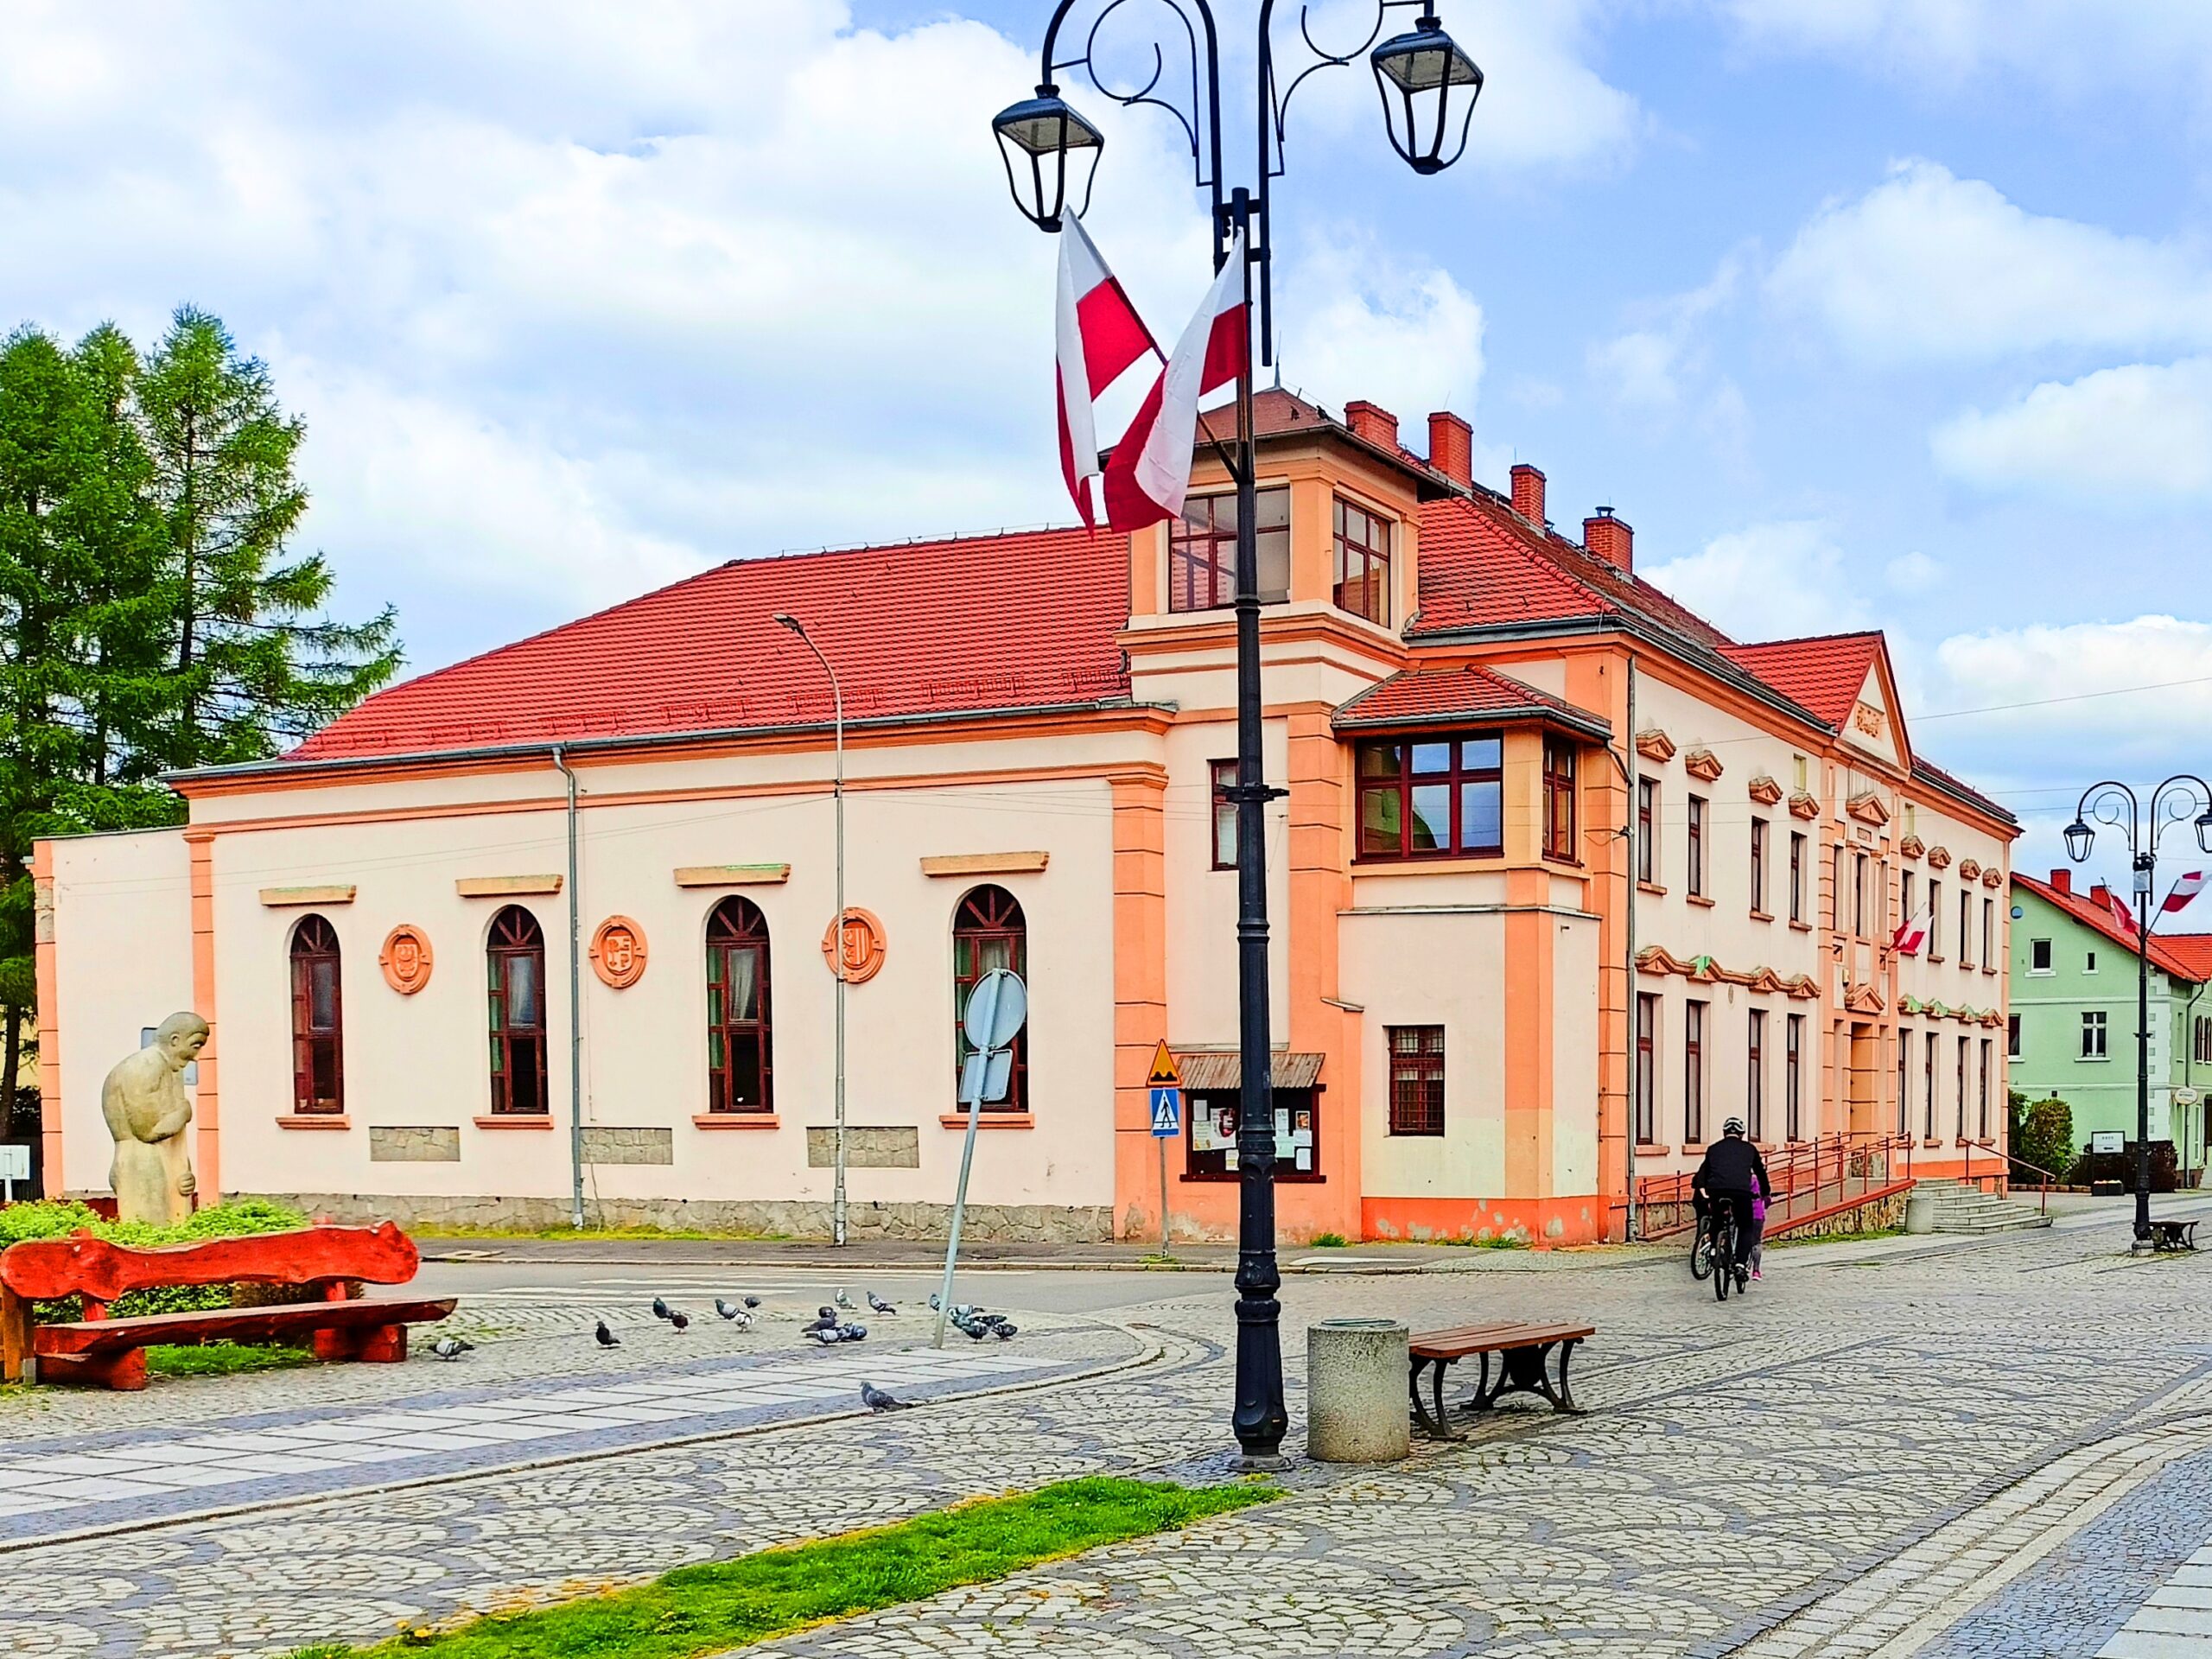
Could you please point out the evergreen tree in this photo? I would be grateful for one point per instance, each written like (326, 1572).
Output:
(254, 663)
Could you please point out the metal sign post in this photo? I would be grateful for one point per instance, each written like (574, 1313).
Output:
(14, 1165)
(993, 1019)
(1164, 1089)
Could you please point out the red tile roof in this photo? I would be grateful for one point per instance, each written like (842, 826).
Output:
(2184, 964)
(1417, 697)
(933, 628)
(1824, 673)
(2192, 951)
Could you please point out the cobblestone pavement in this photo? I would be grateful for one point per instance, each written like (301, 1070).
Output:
(1892, 1458)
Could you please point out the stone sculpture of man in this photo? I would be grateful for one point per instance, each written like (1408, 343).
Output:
(148, 1112)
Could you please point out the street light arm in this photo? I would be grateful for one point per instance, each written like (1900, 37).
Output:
(2184, 795)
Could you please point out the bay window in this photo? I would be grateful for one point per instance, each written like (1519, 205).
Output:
(1432, 797)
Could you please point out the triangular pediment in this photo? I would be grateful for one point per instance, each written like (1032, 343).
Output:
(1872, 725)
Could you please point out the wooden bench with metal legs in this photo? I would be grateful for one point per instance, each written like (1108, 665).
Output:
(326, 1264)
(1524, 1353)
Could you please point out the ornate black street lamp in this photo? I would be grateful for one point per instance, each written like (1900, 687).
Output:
(1429, 87)
(2115, 803)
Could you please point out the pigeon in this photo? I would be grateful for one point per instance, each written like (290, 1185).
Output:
(824, 1334)
(840, 1298)
(728, 1309)
(826, 1311)
(827, 1322)
(876, 1400)
(680, 1319)
(937, 1303)
(970, 1328)
(852, 1333)
(451, 1347)
(660, 1308)
(877, 1304)
(606, 1337)
(1005, 1330)
(742, 1321)
(752, 1301)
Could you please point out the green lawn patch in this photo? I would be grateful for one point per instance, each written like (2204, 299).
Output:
(700, 1610)
(221, 1358)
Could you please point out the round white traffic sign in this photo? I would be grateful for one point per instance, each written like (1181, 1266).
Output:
(996, 1010)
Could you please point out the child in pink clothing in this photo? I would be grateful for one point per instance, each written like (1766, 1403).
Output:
(1759, 1233)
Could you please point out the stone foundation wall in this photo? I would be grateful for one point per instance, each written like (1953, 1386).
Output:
(988, 1223)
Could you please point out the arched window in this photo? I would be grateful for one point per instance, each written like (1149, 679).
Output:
(988, 932)
(514, 961)
(740, 1045)
(318, 1019)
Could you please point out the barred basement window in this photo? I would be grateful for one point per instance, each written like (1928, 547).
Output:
(1416, 1079)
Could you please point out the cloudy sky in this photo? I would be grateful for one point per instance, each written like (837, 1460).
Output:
(1863, 312)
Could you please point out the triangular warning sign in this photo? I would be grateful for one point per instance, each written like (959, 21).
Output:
(1165, 1072)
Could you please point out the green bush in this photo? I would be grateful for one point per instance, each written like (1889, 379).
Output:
(59, 1218)
(2042, 1134)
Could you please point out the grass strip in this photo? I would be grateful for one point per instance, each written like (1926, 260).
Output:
(705, 1609)
(222, 1358)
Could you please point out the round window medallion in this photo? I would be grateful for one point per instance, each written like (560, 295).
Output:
(618, 952)
(405, 959)
(858, 946)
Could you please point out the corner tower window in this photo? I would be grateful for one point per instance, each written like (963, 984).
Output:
(318, 1019)
(514, 962)
(1202, 552)
(740, 1067)
(989, 931)
(1362, 548)
(1430, 798)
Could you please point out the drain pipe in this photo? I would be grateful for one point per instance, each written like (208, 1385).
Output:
(575, 1009)
(1627, 914)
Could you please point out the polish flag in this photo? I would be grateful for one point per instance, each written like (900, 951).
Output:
(1150, 472)
(1097, 335)
(1910, 937)
(2185, 890)
(2121, 913)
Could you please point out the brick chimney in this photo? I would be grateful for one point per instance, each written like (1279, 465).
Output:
(1375, 425)
(2063, 880)
(1611, 539)
(2100, 895)
(1452, 447)
(1528, 493)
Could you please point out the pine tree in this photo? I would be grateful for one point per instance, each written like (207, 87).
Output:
(254, 663)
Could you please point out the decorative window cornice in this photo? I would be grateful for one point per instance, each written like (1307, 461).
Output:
(1939, 858)
(1863, 998)
(1703, 763)
(1804, 806)
(1969, 869)
(1867, 807)
(1657, 960)
(1764, 790)
(1655, 744)
(1912, 847)
(1992, 877)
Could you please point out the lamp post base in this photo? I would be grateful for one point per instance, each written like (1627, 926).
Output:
(1274, 1463)
(2140, 1247)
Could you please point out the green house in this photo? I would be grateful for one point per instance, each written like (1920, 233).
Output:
(2072, 1029)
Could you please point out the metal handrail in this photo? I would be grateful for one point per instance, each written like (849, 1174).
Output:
(1799, 1169)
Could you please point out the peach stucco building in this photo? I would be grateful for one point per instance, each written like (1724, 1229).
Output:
(1563, 878)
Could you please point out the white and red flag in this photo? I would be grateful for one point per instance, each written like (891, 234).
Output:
(2121, 913)
(1911, 934)
(2184, 890)
(1150, 472)
(1099, 335)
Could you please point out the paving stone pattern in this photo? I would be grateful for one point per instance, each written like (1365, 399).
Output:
(1747, 1474)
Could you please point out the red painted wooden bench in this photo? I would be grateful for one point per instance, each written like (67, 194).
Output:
(327, 1263)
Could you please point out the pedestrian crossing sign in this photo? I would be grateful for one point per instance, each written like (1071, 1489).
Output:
(1166, 1112)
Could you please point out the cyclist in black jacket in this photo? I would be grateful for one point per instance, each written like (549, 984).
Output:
(1731, 1171)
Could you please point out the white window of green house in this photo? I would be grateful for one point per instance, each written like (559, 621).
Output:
(2093, 1035)
(2039, 956)
(2089, 963)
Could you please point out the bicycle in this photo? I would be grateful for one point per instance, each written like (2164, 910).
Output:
(1701, 1247)
(1720, 1233)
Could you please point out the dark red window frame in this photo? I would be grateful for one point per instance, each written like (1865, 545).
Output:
(318, 1031)
(1388, 779)
(1755, 1084)
(1758, 864)
(738, 1031)
(1647, 828)
(989, 931)
(1202, 552)
(1559, 799)
(1417, 1078)
(1362, 544)
(1796, 878)
(1905, 1083)
(514, 961)
(1694, 1072)
(1647, 1068)
(1694, 831)
(1793, 1077)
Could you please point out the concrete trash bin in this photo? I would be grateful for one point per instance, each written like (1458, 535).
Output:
(1919, 1211)
(1356, 1391)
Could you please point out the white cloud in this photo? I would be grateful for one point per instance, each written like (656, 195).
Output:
(1775, 581)
(1643, 369)
(1362, 324)
(2140, 436)
(1912, 573)
(1926, 265)
(2075, 47)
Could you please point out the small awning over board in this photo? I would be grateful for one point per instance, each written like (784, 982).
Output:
(1218, 1073)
